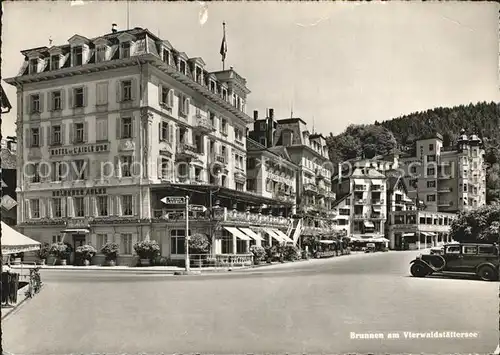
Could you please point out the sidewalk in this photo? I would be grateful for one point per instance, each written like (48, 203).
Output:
(21, 298)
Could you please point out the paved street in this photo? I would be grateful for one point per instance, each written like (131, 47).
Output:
(304, 307)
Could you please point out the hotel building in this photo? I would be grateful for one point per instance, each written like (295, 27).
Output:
(108, 126)
(308, 151)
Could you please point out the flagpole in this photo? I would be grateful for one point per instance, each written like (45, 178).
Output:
(128, 15)
(223, 43)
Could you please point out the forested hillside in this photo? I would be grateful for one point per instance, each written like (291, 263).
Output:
(482, 119)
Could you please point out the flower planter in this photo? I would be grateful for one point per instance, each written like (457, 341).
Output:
(145, 262)
(42, 262)
(86, 262)
(111, 262)
(63, 262)
(17, 261)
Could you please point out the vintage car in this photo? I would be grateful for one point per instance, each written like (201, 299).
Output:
(477, 258)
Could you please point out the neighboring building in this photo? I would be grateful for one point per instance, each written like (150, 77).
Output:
(314, 196)
(4, 101)
(447, 179)
(9, 168)
(123, 120)
(363, 191)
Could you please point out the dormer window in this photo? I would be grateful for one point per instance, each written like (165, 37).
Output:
(33, 66)
(224, 94)
(198, 75)
(182, 67)
(77, 56)
(212, 86)
(100, 54)
(166, 56)
(54, 62)
(125, 47)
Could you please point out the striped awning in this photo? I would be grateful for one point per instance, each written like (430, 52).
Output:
(250, 233)
(237, 233)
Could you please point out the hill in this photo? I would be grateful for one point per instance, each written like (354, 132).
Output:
(482, 119)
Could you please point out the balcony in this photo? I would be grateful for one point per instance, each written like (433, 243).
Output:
(377, 216)
(378, 201)
(203, 125)
(311, 188)
(360, 201)
(377, 187)
(282, 196)
(186, 151)
(240, 176)
(361, 216)
(443, 190)
(444, 204)
(247, 218)
(319, 174)
(359, 187)
(330, 195)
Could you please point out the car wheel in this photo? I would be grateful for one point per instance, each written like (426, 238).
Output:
(487, 273)
(419, 270)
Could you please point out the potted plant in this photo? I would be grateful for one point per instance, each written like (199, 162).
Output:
(60, 251)
(198, 247)
(43, 253)
(259, 254)
(85, 253)
(110, 251)
(147, 250)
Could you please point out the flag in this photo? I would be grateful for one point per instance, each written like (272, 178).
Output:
(223, 46)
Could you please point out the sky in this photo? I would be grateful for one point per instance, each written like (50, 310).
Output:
(335, 64)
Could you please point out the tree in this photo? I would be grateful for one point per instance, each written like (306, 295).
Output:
(480, 225)
(199, 243)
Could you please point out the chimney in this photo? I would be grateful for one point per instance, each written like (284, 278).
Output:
(113, 28)
(271, 113)
(270, 128)
(255, 115)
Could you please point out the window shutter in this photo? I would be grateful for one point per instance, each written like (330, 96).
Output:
(117, 167)
(27, 137)
(159, 132)
(118, 128)
(170, 133)
(159, 167)
(42, 207)
(86, 205)
(49, 101)
(134, 89)
(40, 138)
(63, 134)
(160, 92)
(27, 209)
(71, 133)
(42, 101)
(178, 136)
(93, 206)
(50, 212)
(49, 135)
(118, 91)
(63, 99)
(104, 93)
(70, 98)
(70, 207)
(28, 104)
(85, 131)
(134, 209)
(85, 96)
(111, 205)
(170, 98)
(132, 126)
(104, 128)
(44, 169)
(63, 207)
(188, 104)
(118, 205)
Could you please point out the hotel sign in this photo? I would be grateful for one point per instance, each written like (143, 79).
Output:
(81, 149)
(79, 192)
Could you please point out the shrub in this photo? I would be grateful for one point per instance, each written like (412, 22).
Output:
(59, 250)
(147, 249)
(291, 253)
(160, 261)
(110, 251)
(199, 243)
(258, 252)
(44, 251)
(86, 252)
(480, 225)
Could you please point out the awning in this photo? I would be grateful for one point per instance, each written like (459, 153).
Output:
(408, 234)
(273, 234)
(327, 241)
(377, 208)
(237, 233)
(77, 231)
(428, 234)
(369, 224)
(384, 240)
(251, 233)
(283, 236)
(14, 242)
(359, 182)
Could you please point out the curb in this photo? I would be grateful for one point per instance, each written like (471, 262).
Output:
(18, 305)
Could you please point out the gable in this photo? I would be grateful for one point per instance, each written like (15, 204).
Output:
(125, 37)
(101, 41)
(78, 40)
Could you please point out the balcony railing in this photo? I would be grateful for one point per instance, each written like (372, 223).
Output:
(186, 150)
(310, 188)
(361, 216)
(443, 190)
(444, 204)
(251, 218)
(378, 202)
(203, 124)
(377, 215)
(282, 196)
(377, 187)
(360, 201)
(330, 195)
(359, 187)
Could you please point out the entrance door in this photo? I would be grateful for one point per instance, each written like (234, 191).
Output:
(78, 240)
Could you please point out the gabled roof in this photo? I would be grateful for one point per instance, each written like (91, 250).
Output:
(340, 200)
(281, 151)
(393, 181)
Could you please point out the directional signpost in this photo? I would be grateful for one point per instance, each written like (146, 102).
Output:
(176, 200)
